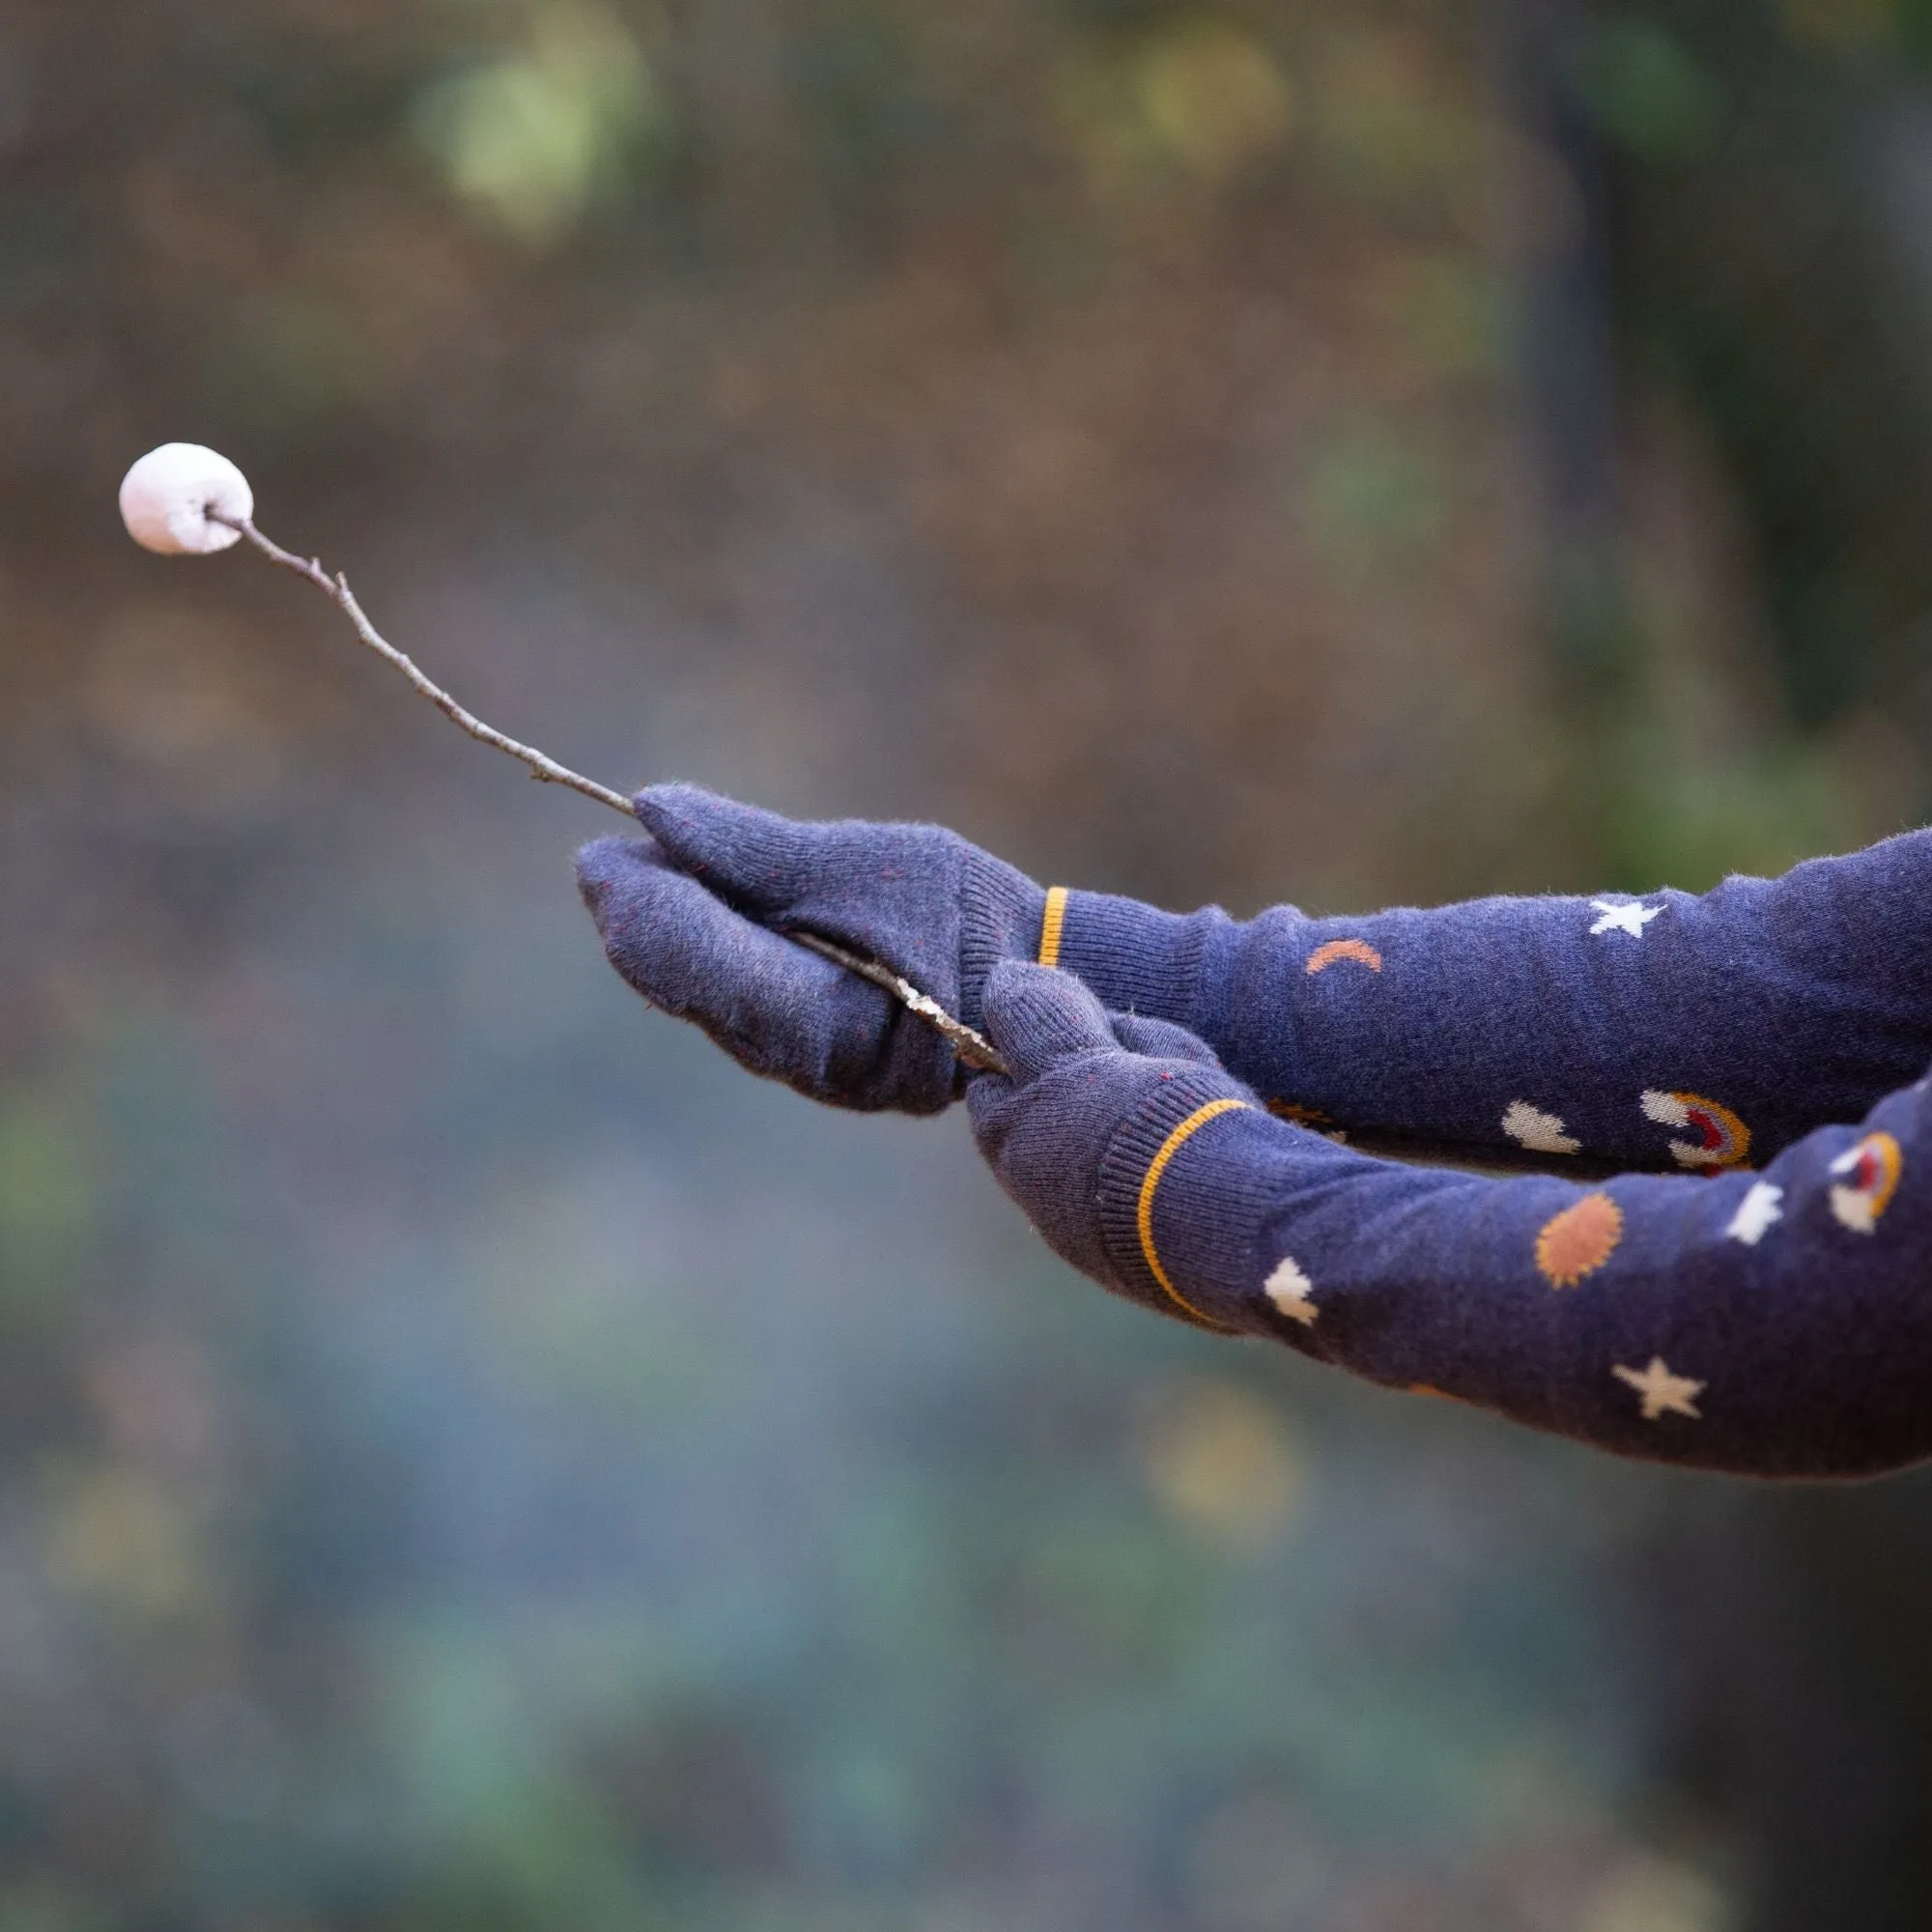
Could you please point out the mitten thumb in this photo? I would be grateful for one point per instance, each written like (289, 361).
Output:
(1039, 1017)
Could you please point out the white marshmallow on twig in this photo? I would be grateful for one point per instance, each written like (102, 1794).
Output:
(167, 498)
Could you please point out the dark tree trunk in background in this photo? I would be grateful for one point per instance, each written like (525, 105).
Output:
(1796, 1695)
(1561, 235)
(1776, 280)
(1567, 380)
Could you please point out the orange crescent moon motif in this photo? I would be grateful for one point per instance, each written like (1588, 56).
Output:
(1324, 957)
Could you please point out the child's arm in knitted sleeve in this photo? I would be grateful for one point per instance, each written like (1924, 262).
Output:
(1775, 1323)
(1662, 1030)
(1668, 1030)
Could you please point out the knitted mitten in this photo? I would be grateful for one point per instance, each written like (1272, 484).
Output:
(688, 917)
(1093, 1099)
(1776, 1324)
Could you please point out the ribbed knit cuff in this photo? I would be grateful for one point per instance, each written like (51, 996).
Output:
(1137, 960)
(1000, 910)
(1180, 1208)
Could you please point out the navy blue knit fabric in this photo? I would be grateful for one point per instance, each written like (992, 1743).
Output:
(1776, 1323)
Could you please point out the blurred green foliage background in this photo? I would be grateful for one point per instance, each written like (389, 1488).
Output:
(473, 1459)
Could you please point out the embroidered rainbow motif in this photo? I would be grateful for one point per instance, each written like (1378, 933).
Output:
(1871, 1171)
(1718, 1137)
(1324, 957)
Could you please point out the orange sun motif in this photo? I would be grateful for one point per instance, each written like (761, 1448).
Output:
(1324, 957)
(1579, 1241)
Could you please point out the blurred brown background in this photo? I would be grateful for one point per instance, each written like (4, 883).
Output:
(471, 1458)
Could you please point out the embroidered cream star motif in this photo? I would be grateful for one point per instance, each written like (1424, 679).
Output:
(1290, 1289)
(1531, 1127)
(1662, 1393)
(1756, 1212)
(1631, 918)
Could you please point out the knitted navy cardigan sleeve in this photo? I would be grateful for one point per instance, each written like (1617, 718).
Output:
(1776, 1323)
(1670, 1030)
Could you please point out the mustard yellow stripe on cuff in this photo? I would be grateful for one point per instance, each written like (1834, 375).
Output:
(1053, 925)
(1143, 1219)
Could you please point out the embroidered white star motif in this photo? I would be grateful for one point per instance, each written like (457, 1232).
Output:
(1290, 1289)
(1631, 918)
(1756, 1212)
(1531, 1127)
(1662, 1393)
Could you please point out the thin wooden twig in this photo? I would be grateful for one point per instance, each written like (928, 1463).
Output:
(972, 1047)
(336, 589)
